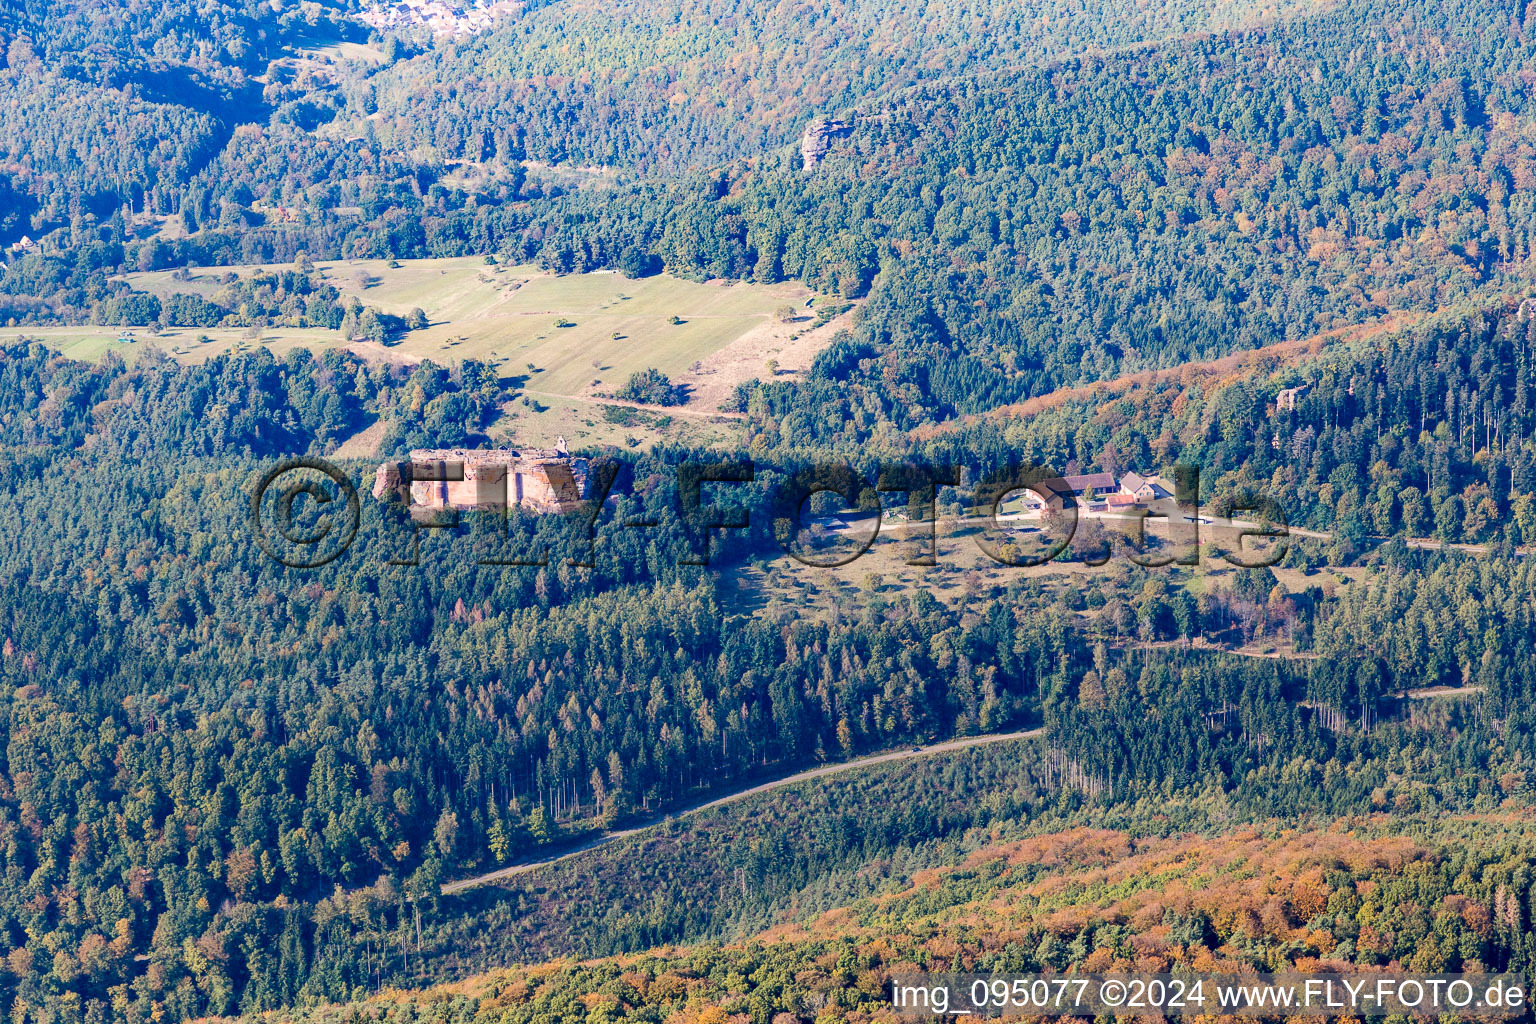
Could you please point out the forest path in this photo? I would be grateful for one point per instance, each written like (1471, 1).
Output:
(948, 746)
(1431, 692)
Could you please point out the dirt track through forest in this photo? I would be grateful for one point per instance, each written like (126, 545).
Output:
(763, 787)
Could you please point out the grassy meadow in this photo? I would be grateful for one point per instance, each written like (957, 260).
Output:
(614, 326)
(505, 315)
(609, 327)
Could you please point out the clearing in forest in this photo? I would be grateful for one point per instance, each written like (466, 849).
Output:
(562, 341)
(582, 333)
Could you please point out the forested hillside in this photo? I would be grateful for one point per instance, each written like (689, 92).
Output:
(1017, 231)
(202, 745)
(1423, 431)
(1429, 896)
(119, 105)
(230, 787)
(678, 85)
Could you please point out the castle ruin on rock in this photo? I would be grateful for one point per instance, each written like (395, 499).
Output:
(538, 479)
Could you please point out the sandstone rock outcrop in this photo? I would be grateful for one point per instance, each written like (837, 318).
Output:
(816, 141)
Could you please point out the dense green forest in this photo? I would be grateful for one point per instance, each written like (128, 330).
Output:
(203, 745)
(1421, 432)
(109, 107)
(1017, 231)
(228, 786)
(1267, 897)
(678, 85)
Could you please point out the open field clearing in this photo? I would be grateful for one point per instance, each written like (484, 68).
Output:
(538, 419)
(609, 327)
(612, 326)
(89, 342)
(333, 51)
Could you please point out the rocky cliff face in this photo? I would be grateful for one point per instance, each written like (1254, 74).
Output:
(539, 479)
(816, 142)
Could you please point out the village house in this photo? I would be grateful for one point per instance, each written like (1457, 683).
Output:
(19, 249)
(1121, 502)
(1096, 492)
(1144, 488)
(1048, 495)
(443, 18)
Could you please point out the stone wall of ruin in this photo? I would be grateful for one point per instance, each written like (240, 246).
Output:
(538, 479)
